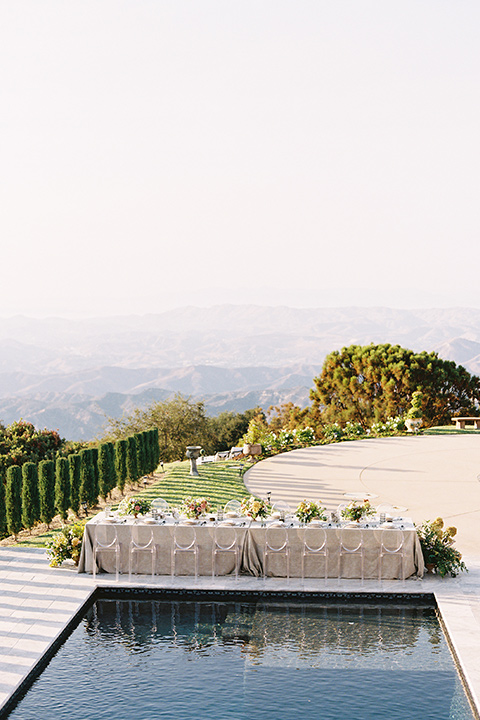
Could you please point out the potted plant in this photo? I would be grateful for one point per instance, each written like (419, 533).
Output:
(310, 510)
(65, 545)
(194, 507)
(356, 510)
(437, 546)
(255, 508)
(134, 506)
(413, 418)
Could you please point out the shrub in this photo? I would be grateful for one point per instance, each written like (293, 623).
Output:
(13, 500)
(46, 488)
(30, 495)
(62, 487)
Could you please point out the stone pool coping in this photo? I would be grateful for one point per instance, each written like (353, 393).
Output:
(39, 606)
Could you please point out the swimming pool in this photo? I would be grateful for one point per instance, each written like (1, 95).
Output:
(146, 659)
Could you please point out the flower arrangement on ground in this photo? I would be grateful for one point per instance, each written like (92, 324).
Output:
(65, 545)
(194, 507)
(437, 547)
(134, 506)
(309, 510)
(357, 510)
(255, 508)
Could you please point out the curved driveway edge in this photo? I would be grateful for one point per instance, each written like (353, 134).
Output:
(431, 475)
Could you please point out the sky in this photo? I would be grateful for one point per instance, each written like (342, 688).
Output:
(312, 153)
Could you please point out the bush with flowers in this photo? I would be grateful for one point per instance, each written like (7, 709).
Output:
(357, 510)
(309, 510)
(255, 508)
(134, 506)
(194, 507)
(65, 545)
(437, 547)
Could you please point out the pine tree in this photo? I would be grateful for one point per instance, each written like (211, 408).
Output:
(121, 463)
(3, 510)
(132, 471)
(46, 488)
(30, 495)
(13, 500)
(62, 487)
(74, 472)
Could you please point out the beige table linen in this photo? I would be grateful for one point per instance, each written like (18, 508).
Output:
(251, 541)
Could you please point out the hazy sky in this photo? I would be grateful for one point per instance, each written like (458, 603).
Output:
(156, 153)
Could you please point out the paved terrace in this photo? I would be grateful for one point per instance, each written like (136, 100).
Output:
(38, 602)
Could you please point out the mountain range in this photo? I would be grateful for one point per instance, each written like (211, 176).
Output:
(73, 374)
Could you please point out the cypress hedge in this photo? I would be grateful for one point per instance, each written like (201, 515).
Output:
(62, 487)
(13, 500)
(106, 469)
(132, 471)
(87, 478)
(46, 488)
(30, 495)
(121, 463)
(3, 510)
(74, 472)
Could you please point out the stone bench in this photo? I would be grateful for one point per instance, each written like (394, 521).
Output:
(461, 421)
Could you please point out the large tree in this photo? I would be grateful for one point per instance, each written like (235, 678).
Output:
(180, 422)
(373, 382)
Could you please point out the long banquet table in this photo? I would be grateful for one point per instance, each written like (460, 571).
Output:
(250, 537)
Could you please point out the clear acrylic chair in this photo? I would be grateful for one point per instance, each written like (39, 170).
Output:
(106, 541)
(233, 506)
(351, 543)
(276, 543)
(282, 507)
(160, 505)
(141, 542)
(314, 544)
(225, 540)
(392, 543)
(184, 540)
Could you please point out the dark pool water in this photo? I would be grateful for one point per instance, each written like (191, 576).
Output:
(130, 660)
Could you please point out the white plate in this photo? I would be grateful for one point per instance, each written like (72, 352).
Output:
(188, 521)
(227, 522)
(231, 514)
(149, 521)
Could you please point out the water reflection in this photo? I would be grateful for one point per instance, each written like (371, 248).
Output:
(265, 631)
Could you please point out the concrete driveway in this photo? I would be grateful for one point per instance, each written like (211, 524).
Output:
(431, 476)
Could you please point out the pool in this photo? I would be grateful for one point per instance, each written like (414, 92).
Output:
(258, 659)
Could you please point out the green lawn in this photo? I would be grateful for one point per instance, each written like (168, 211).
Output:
(449, 430)
(221, 481)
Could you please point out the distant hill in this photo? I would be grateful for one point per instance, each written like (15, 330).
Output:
(68, 374)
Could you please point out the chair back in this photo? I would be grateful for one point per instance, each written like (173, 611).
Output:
(391, 540)
(106, 536)
(314, 539)
(184, 537)
(351, 539)
(224, 537)
(233, 506)
(142, 537)
(276, 538)
(159, 504)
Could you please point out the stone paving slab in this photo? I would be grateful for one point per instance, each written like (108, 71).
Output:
(34, 613)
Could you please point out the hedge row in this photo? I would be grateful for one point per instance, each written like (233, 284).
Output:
(37, 492)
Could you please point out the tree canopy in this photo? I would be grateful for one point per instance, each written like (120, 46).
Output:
(369, 383)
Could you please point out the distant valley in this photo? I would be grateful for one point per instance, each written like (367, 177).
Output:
(71, 374)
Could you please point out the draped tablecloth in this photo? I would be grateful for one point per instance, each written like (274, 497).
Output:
(251, 542)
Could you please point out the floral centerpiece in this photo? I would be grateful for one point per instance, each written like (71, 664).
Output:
(134, 506)
(357, 510)
(194, 507)
(255, 508)
(65, 545)
(437, 547)
(310, 510)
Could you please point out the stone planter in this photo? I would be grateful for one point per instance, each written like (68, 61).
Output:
(413, 424)
(252, 449)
